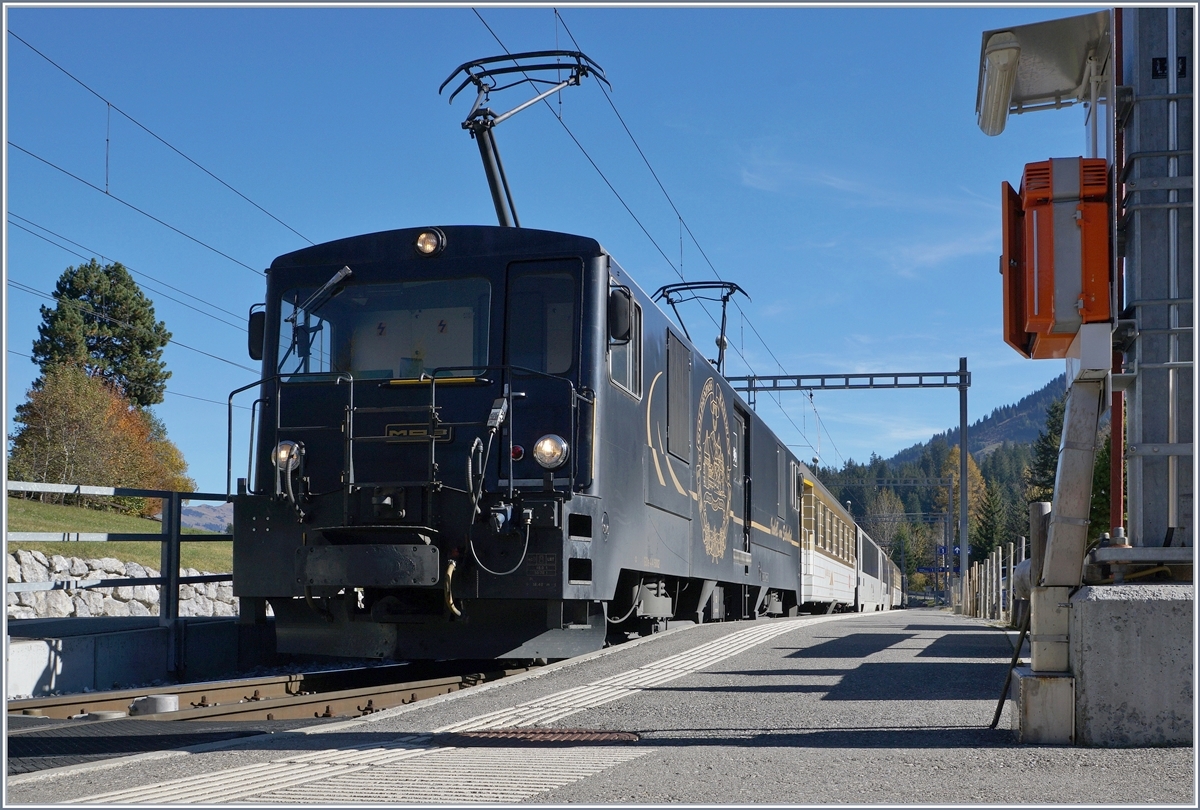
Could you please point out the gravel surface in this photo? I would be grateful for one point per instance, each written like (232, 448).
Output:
(888, 708)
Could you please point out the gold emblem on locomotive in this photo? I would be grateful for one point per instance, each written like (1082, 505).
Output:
(712, 441)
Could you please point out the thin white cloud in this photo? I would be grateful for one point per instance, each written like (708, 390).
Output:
(907, 258)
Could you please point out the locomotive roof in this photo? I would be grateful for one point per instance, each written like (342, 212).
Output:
(462, 241)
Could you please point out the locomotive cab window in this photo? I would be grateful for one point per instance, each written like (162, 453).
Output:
(541, 315)
(625, 359)
(388, 331)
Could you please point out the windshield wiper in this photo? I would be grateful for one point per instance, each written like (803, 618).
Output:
(302, 335)
(318, 299)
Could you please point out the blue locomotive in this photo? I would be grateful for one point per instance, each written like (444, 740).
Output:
(480, 441)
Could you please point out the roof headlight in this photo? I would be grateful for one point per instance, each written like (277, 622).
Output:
(551, 451)
(430, 242)
(287, 455)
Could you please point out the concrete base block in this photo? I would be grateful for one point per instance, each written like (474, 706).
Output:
(1044, 713)
(45, 656)
(1131, 653)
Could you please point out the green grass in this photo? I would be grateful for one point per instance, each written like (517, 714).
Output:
(33, 516)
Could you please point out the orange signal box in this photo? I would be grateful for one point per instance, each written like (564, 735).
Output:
(1055, 259)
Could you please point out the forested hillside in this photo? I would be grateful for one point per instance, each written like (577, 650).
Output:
(1018, 424)
(912, 519)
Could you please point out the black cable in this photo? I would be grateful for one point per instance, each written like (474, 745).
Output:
(33, 291)
(157, 292)
(165, 391)
(204, 301)
(135, 208)
(160, 139)
(696, 242)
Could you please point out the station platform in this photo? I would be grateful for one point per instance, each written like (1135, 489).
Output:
(881, 708)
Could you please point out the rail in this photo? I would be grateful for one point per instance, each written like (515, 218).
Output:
(169, 537)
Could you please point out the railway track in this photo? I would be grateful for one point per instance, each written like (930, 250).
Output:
(338, 693)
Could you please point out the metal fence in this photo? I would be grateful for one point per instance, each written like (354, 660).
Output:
(169, 537)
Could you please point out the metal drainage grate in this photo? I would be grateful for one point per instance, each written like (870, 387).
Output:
(548, 735)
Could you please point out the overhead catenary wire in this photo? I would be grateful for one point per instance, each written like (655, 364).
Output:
(684, 226)
(131, 270)
(34, 291)
(165, 390)
(135, 208)
(154, 135)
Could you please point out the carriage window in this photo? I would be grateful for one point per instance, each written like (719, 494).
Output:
(679, 398)
(625, 359)
(541, 316)
(388, 331)
(781, 481)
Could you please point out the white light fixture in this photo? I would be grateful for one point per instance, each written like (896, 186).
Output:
(430, 242)
(287, 455)
(551, 451)
(1001, 54)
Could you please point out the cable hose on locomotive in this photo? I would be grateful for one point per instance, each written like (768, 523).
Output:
(626, 616)
(513, 570)
(476, 491)
(287, 474)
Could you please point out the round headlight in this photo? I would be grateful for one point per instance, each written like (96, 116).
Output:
(286, 455)
(430, 242)
(551, 451)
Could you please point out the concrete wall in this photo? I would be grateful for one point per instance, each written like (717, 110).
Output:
(1131, 654)
(100, 654)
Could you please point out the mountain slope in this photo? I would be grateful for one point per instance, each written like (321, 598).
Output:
(1018, 423)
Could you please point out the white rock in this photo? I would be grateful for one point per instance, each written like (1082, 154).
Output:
(210, 590)
(95, 602)
(134, 571)
(81, 606)
(124, 593)
(33, 599)
(109, 565)
(60, 564)
(199, 606)
(186, 592)
(31, 569)
(152, 572)
(114, 608)
(58, 604)
(41, 558)
(147, 594)
(21, 613)
(13, 568)
(223, 609)
(225, 592)
(78, 567)
(138, 609)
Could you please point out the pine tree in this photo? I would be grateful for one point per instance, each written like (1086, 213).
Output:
(1039, 478)
(1101, 490)
(103, 324)
(993, 520)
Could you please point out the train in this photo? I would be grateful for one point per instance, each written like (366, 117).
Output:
(490, 442)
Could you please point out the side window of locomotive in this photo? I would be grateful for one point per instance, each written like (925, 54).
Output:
(781, 498)
(389, 331)
(625, 359)
(541, 321)
(679, 398)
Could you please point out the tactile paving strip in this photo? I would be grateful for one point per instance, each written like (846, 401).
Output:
(416, 769)
(38, 745)
(72, 743)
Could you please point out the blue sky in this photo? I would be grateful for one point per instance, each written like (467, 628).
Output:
(827, 160)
